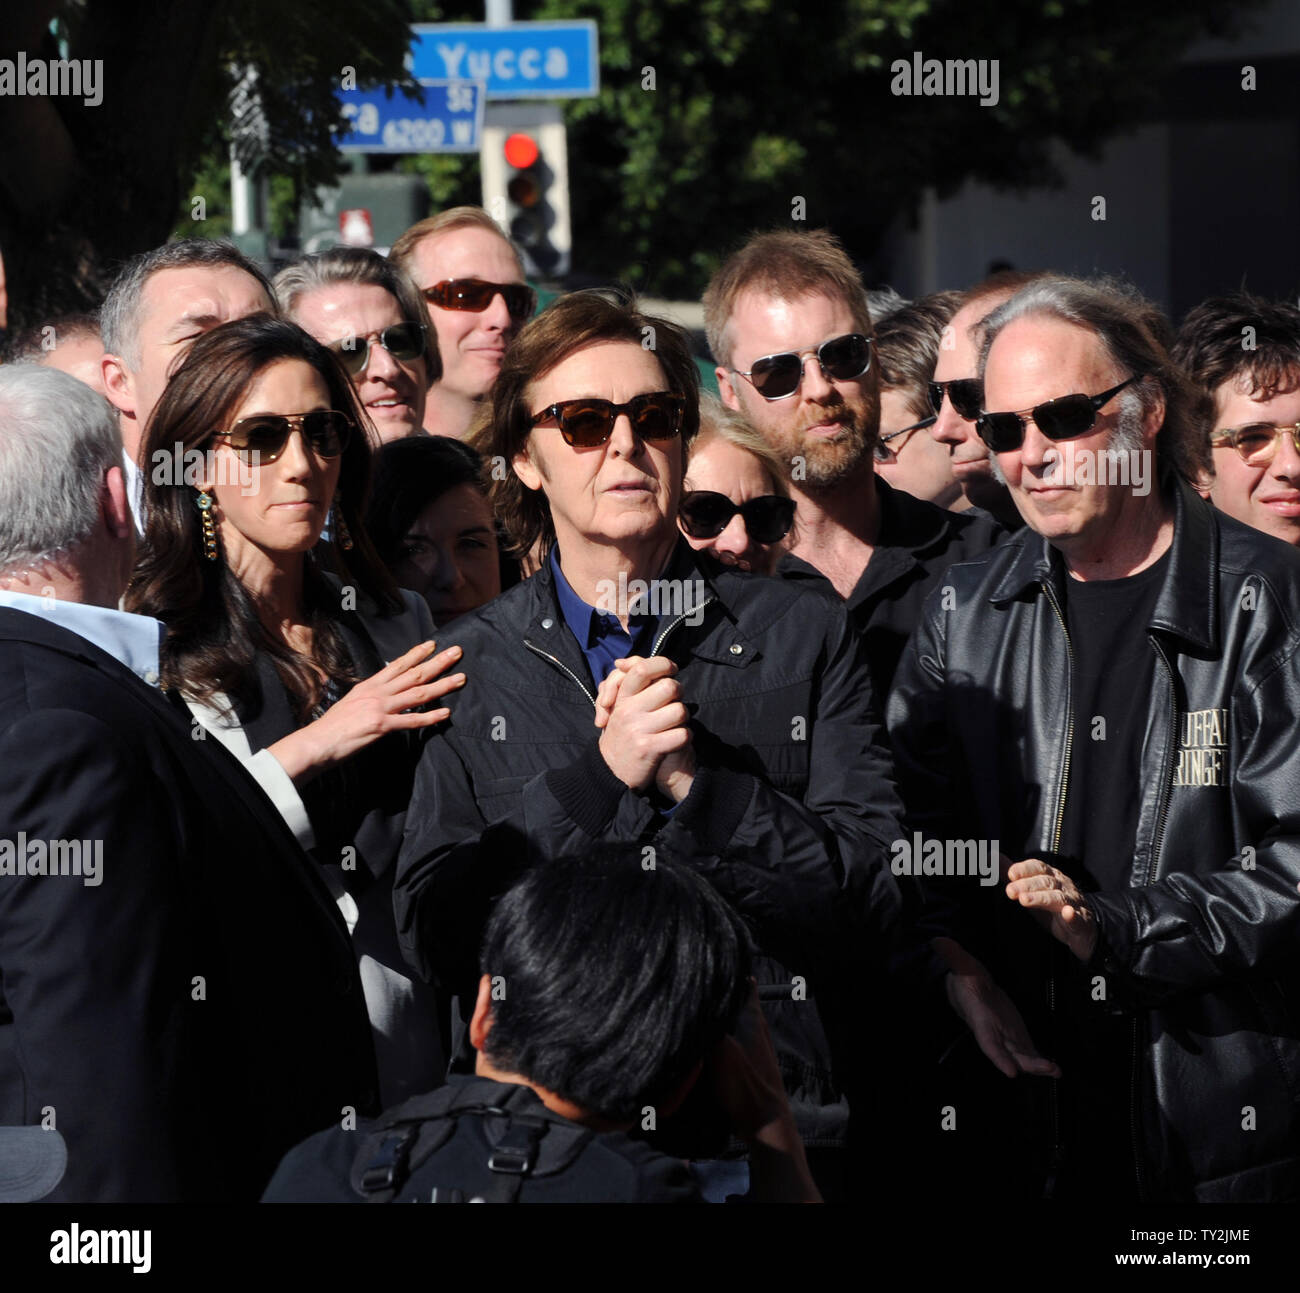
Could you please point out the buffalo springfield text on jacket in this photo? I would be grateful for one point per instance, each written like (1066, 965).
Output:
(1202, 748)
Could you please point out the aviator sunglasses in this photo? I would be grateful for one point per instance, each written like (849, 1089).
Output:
(401, 340)
(705, 514)
(475, 295)
(776, 377)
(1065, 418)
(261, 439)
(586, 423)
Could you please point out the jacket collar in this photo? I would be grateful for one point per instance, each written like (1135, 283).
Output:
(1187, 604)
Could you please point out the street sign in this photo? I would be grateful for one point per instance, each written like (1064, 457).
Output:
(527, 60)
(449, 120)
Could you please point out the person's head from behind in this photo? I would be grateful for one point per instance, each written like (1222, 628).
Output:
(69, 342)
(594, 427)
(907, 346)
(607, 985)
(160, 302)
(65, 523)
(473, 280)
(431, 524)
(368, 311)
(735, 502)
(1256, 394)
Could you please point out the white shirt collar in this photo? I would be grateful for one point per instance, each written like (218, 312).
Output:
(132, 640)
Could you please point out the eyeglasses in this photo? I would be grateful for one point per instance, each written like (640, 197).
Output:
(1258, 442)
(401, 340)
(705, 514)
(882, 451)
(776, 377)
(966, 394)
(261, 439)
(587, 423)
(1059, 419)
(475, 295)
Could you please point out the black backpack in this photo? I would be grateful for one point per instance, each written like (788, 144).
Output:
(467, 1142)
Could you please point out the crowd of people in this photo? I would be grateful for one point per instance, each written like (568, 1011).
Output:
(447, 756)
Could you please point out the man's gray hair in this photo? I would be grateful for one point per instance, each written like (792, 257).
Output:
(1137, 337)
(57, 439)
(364, 268)
(119, 320)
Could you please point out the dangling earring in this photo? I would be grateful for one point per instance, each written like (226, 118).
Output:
(204, 504)
(341, 528)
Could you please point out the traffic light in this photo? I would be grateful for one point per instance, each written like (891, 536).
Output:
(525, 182)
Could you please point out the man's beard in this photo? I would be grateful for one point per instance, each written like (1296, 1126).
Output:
(817, 464)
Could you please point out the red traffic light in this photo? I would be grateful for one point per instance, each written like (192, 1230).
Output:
(521, 150)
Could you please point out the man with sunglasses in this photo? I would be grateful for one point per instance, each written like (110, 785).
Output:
(1107, 699)
(788, 325)
(472, 280)
(1256, 392)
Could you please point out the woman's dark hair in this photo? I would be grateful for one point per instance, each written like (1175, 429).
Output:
(409, 475)
(617, 980)
(571, 324)
(214, 631)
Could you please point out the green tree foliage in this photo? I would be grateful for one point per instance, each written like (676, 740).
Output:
(759, 102)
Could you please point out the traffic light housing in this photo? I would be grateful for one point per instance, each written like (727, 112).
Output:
(528, 209)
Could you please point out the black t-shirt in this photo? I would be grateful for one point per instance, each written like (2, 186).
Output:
(1113, 674)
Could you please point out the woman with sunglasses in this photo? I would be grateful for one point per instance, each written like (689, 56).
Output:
(370, 313)
(300, 657)
(635, 689)
(735, 503)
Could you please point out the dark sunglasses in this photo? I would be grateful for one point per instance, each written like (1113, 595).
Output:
(705, 514)
(966, 394)
(401, 340)
(475, 295)
(775, 377)
(261, 439)
(1257, 443)
(882, 451)
(587, 423)
(1060, 419)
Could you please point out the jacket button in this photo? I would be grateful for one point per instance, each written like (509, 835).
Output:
(548, 623)
(737, 649)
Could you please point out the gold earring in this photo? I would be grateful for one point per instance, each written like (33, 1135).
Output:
(341, 529)
(204, 504)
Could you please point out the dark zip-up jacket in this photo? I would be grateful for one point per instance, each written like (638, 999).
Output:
(790, 816)
(1202, 949)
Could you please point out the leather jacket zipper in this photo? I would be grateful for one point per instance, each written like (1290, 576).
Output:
(1054, 1096)
(663, 633)
(559, 664)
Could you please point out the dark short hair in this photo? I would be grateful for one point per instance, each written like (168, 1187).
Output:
(570, 324)
(617, 980)
(907, 346)
(30, 342)
(1211, 344)
(410, 474)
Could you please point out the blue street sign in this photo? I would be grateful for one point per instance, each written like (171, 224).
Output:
(527, 60)
(449, 120)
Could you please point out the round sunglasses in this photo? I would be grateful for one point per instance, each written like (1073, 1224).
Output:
(704, 514)
(475, 295)
(401, 340)
(262, 438)
(842, 359)
(587, 423)
(1257, 443)
(1065, 418)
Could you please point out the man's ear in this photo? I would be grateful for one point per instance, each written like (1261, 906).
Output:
(480, 1023)
(726, 391)
(526, 469)
(119, 384)
(1153, 419)
(114, 505)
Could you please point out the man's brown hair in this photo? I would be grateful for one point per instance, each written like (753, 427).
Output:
(572, 323)
(788, 265)
(466, 217)
(907, 347)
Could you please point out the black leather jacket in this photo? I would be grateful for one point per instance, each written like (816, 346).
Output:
(1202, 948)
